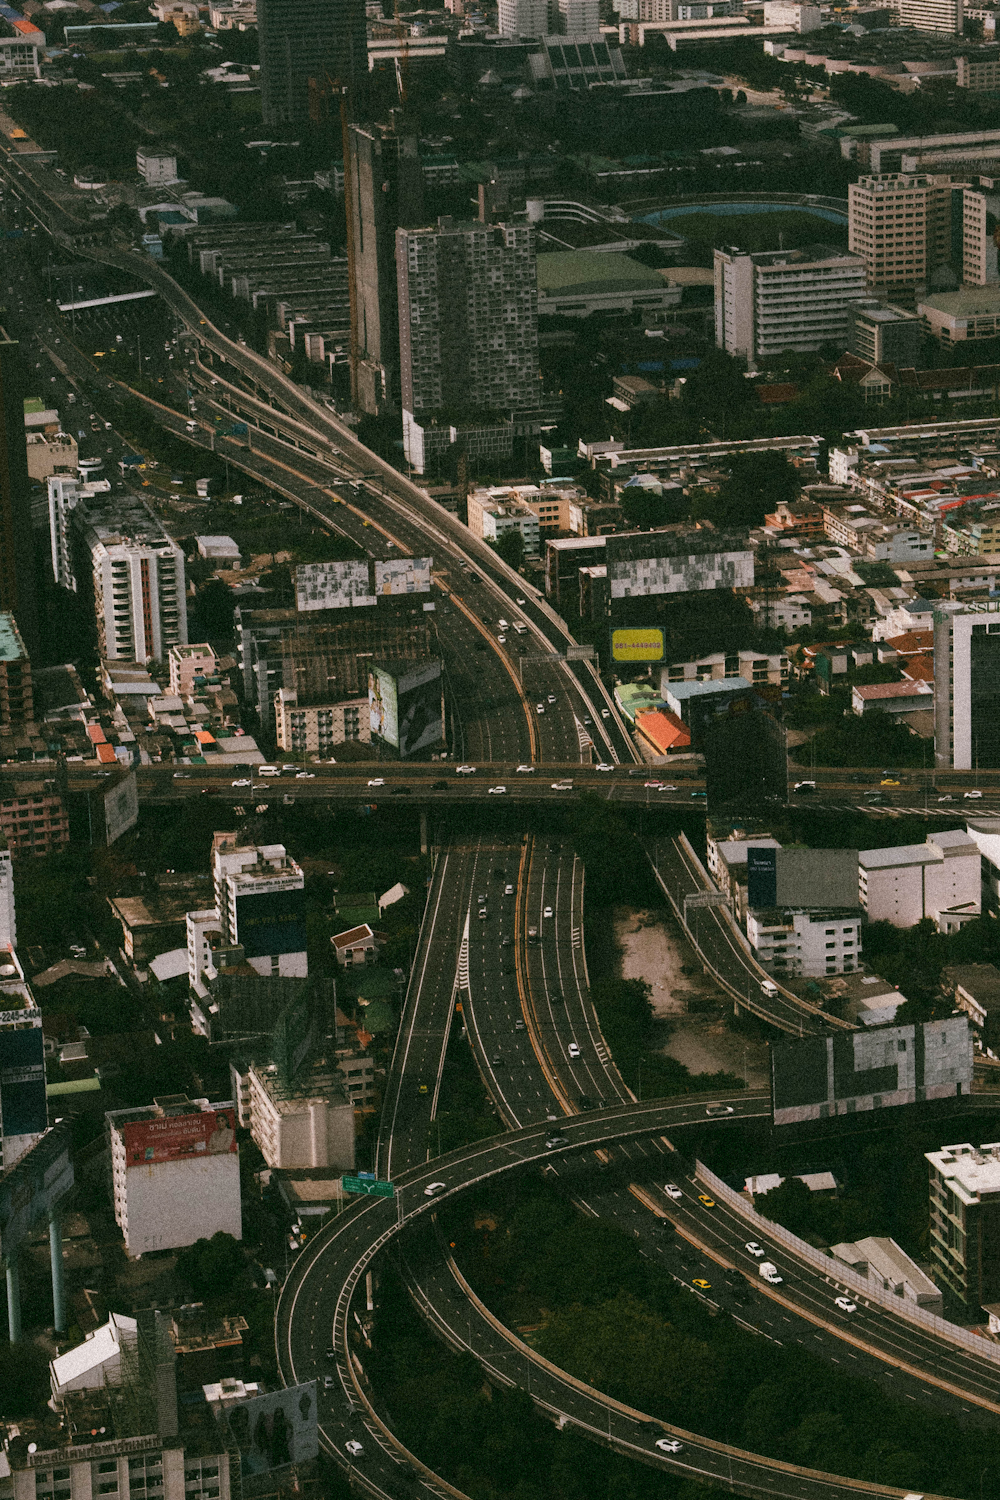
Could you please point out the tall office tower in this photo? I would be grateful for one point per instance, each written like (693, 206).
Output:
(775, 300)
(307, 48)
(900, 224)
(468, 317)
(523, 18)
(17, 558)
(967, 685)
(578, 17)
(385, 184)
(945, 16)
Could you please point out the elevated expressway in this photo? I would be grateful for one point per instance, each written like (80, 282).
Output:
(319, 1292)
(531, 1078)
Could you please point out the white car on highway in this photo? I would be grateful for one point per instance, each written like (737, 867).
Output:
(496, 791)
(846, 1305)
(433, 1188)
(669, 1445)
(465, 770)
(752, 1248)
(603, 766)
(672, 1190)
(377, 781)
(562, 786)
(573, 1049)
(526, 770)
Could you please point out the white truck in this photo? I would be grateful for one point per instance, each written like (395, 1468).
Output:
(769, 1271)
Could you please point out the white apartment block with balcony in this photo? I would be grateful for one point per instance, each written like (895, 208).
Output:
(809, 942)
(316, 729)
(939, 879)
(773, 301)
(116, 547)
(943, 16)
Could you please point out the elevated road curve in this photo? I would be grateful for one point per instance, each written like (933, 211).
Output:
(315, 1313)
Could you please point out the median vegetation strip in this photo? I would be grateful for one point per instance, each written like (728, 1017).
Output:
(607, 1314)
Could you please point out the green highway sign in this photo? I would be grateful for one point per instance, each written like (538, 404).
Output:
(370, 1185)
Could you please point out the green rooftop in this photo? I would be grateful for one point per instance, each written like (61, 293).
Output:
(579, 272)
(11, 644)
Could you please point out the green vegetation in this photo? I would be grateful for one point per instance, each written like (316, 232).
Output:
(618, 1320)
(871, 740)
(467, 1114)
(757, 483)
(216, 1267)
(766, 231)
(627, 1023)
(488, 1440)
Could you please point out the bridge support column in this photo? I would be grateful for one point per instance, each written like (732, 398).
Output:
(58, 1290)
(423, 833)
(13, 1299)
(737, 1010)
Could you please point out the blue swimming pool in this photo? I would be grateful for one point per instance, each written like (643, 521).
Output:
(663, 214)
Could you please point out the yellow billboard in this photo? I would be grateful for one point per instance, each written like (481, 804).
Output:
(632, 643)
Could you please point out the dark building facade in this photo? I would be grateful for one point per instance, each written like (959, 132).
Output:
(17, 559)
(385, 186)
(308, 48)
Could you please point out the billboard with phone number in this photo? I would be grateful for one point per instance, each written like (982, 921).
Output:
(645, 643)
(209, 1132)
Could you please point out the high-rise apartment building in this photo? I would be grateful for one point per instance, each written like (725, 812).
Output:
(944, 16)
(468, 320)
(524, 18)
(116, 550)
(965, 1220)
(16, 699)
(8, 913)
(578, 17)
(308, 50)
(17, 559)
(777, 300)
(980, 206)
(175, 1173)
(260, 904)
(900, 224)
(385, 186)
(967, 684)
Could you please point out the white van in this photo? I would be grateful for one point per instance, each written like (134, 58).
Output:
(768, 987)
(268, 771)
(769, 1271)
(520, 627)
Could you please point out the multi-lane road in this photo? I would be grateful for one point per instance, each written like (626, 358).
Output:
(558, 1061)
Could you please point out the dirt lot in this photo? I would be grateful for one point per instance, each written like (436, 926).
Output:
(694, 1011)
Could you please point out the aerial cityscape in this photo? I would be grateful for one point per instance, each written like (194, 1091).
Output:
(499, 750)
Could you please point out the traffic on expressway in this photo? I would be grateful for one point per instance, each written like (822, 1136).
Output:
(502, 936)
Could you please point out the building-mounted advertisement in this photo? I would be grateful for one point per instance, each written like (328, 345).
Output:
(818, 1078)
(332, 585)
(644, 643)
(665, 563)
(180, 1137)
(403, 575)
(23, 1107)
(271, 922)
(406, 705)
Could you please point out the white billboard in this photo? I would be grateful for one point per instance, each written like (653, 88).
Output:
(332, 585)
(630, 577)
(121, 808)
(403, 575)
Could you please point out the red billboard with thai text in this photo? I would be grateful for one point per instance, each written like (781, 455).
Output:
(209, 1132)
